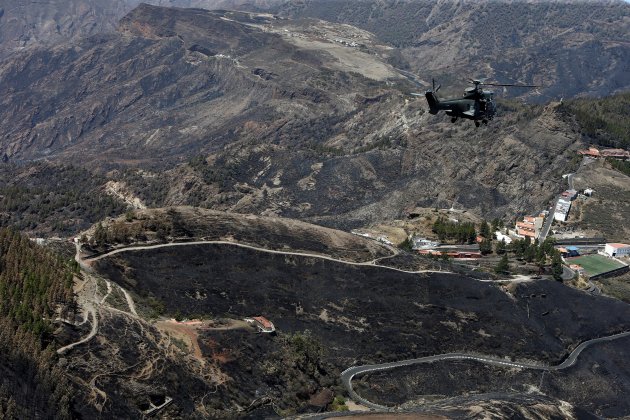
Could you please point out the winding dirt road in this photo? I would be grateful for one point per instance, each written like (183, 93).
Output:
(371, 263)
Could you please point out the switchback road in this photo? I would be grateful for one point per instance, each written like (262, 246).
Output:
(348, 374)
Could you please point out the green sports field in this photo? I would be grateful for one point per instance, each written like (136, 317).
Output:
(595, 264)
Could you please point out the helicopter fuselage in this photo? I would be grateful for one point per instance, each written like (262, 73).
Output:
(476, 105)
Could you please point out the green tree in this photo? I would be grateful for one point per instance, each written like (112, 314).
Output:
(485, 246)
(556, 266)
(500, 247)
(495, 225)
(530, 253)
(484, 229)
(407, 244)
(503, 267)
(100, 234)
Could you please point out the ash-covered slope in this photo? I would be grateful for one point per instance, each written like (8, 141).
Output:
(27, 24)
(353, 315)
(288, 119)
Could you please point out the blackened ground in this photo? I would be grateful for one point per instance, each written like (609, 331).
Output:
(371, 313)
(358, 314)
(599, 383)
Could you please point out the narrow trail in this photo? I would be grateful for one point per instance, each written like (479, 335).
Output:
(370, 263)
(109, 292)
(130, 302)
(92, 311)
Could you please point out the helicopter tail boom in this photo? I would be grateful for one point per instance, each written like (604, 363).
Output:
(433, 101)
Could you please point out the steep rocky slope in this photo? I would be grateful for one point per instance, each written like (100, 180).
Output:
(569, 47)
(287, 121)
(27, 25)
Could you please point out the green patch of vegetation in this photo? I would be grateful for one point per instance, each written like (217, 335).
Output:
(621, 166)
(151, 189)
(47, 198)
(523, 112)
(209, 173)
(406, 245)
(180, 344)
(156, 307)
(605, 119)
(449, 230)
(617, 287)
(35, 286)
(503, 266)
(380, 144)
(339, 404)
(116, 299)
(323, 150)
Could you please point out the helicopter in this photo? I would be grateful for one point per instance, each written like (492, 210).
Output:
(477, 104)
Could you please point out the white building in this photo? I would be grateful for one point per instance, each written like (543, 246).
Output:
(617, 250)
(502, 237)
(423, 243)
(562, 210)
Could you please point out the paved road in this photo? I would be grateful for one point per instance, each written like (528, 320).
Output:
(544, 231)
(567, 273)
(570, 181)
(348, 374)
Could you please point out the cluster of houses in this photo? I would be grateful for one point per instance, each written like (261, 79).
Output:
(530, 226)
(428, 247)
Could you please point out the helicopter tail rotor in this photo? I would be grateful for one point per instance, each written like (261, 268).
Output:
(435, 89)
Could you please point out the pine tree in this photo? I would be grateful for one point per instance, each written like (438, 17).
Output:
(503, 267)
(556, 266)
(484, 229)
(485, 246)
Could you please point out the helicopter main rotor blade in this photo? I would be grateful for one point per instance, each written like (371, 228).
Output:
(514, 85)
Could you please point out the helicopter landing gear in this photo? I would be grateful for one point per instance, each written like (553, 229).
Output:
(453, 119)
(477, 124)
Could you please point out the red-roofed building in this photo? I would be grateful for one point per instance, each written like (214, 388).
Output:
(592, 152)
(530, 226)
(605, 153)
(262, 323)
